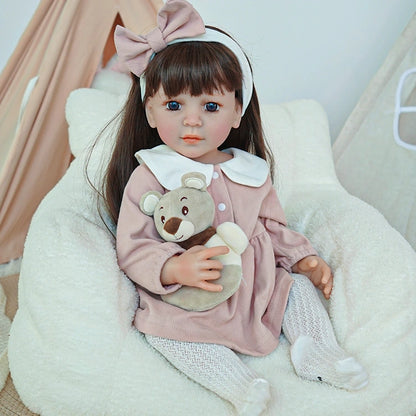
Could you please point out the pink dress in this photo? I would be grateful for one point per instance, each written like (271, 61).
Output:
(250, 321)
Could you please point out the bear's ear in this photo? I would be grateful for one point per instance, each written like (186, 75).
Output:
(194, 180)
(149, 201)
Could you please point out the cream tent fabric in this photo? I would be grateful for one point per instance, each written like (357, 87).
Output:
(369, 162)
(59, 52)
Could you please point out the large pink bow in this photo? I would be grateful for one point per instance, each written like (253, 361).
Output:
(176, 19)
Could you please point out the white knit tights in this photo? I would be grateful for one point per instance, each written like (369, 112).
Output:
(218, 369)
(315, 355)
(315, 352)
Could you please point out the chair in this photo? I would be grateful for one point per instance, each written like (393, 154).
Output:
(73, 349)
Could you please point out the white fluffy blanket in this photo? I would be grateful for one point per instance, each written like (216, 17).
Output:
(73, 349)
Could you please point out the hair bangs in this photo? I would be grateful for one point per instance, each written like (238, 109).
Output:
(195, 68)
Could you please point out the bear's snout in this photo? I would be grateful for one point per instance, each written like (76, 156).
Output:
(172, 225)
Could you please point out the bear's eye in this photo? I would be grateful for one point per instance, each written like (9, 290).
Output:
(185, 210)
(162, 219)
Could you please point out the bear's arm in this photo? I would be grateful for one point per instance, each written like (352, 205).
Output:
(233, 236)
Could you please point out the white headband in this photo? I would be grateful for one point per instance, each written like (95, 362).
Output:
(212, 35)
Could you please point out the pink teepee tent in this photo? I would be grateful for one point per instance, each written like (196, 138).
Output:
(60, 51)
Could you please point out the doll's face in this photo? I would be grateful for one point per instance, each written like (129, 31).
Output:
(195, 126)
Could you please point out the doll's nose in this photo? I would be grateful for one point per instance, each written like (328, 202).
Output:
(192, 119)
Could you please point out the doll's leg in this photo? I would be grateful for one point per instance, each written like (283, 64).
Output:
(315, 352)
(218, 369)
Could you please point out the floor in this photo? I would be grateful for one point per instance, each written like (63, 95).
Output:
(10, 403)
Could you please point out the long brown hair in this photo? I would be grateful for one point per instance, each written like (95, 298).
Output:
(194, 68)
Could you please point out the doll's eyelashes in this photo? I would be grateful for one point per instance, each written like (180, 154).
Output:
(173, 106)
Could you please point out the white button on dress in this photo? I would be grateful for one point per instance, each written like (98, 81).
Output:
(221, 206)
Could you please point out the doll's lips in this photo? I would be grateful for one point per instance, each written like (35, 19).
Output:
(191, 139)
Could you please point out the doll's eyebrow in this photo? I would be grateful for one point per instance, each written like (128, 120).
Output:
(184, 197)
(160, 208)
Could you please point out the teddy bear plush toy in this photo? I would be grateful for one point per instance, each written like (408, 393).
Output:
(185, 215)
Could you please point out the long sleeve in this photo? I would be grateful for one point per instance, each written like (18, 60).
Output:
(289, 246)
(259, 303)
(141, 252)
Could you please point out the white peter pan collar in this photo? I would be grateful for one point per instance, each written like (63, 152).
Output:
(168, 166)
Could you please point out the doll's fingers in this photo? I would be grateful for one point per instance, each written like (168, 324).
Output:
(210, 287)
(327, 275)
(320, 286)
(316, 279)
(210, 275)
(212, 265)
(328, 288)
(327, 292)
(215, 251)
(323, 289)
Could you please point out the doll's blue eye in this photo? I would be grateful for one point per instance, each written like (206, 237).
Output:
(211, 107)
(173, 106)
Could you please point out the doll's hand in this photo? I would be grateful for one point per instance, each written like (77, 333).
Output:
(317, 271)
(195, 267)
